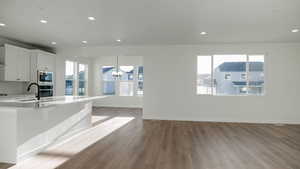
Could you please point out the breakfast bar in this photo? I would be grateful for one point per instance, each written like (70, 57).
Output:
(28, 126)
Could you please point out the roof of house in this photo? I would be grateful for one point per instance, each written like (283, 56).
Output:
(241, 67)
(107, 69)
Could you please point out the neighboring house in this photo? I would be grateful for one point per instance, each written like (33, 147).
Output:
(230, 78)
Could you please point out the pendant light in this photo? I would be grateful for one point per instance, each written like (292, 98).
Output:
(117, 74)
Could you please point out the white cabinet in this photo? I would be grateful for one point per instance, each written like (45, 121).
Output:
(41, 61)
(16, 63)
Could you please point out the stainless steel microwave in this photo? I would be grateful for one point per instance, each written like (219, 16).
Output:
(45, 77)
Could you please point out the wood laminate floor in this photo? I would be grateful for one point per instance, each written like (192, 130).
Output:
(120, 139)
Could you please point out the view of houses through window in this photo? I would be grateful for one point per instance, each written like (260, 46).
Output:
(129, 84)
(230, 75)
(76, 78)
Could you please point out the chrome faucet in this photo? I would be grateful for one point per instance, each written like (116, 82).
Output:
(38, 89)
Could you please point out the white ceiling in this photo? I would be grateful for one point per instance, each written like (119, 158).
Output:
(150, 22)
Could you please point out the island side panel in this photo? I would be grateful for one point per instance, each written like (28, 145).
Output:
(31, 131)
(68, 120)
(8, 135)
(40, 128)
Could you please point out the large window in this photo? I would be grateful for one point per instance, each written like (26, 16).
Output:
(230, 75)
(76, 78)
(129, 84)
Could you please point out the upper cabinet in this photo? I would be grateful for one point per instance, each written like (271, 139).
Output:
(44, 61)
(15, 63)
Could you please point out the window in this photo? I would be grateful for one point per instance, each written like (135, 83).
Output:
(129, 84)
(76, 78)
(108, 87)
(227, 76)
(140, 81)
(230, 75)
(82, 79)
(69, 78)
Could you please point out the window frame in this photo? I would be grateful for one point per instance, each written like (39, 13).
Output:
(247, 77)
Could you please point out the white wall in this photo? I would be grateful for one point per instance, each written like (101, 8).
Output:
(170, 83)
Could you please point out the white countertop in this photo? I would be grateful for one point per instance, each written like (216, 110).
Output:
(30, 102)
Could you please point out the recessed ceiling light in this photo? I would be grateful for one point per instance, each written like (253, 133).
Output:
(295, 30)
(84, 41)
(2, 24)
(118, 40)
(91, 18)
(53, 43)
(203, 33)
(43, 21)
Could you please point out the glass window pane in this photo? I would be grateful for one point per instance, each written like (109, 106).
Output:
(204, 83)
(81, 88)
(140, 78)
(140, 73)
(69, 87)
(109, 88)
(82, 72)
(82, 79)
(126, 88)
(69, 74)
(140, 87)
(256, 75)
(231, 67)
(69, 77)
(108, 81)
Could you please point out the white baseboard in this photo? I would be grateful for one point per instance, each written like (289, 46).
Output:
(293, 122)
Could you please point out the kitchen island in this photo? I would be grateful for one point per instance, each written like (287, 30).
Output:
(28, 126)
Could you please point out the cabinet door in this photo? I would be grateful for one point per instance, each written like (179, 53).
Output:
(11, 60)
(46, 62)
(24, 65)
